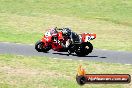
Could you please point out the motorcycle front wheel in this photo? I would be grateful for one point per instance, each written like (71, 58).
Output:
(39, 46)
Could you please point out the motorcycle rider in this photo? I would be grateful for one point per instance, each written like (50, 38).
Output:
(66, 32)
(71, 38)
(67, 35)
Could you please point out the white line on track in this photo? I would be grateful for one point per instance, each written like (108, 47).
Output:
(55, 58)
(80, 60)
(61, 59)
(128, 64)
(18, 43)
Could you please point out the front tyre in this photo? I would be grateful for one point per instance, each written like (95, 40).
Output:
(39, 46)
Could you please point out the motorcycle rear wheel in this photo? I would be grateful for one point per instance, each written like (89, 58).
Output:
(84, 49)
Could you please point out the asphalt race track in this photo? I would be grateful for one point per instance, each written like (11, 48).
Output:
(97, 55)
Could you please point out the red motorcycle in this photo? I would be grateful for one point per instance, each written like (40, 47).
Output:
(80, 43)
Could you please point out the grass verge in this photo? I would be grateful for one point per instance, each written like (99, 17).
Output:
(43, 72)
(23, 29)
(25, 21)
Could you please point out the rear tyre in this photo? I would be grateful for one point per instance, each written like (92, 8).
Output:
(84, 49)
(88, 47)
(39, 46)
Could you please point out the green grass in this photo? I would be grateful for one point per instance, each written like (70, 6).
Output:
(43, 72)
(25, 21)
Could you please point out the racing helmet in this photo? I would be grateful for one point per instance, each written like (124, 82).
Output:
(53, 31)
(66, 31)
